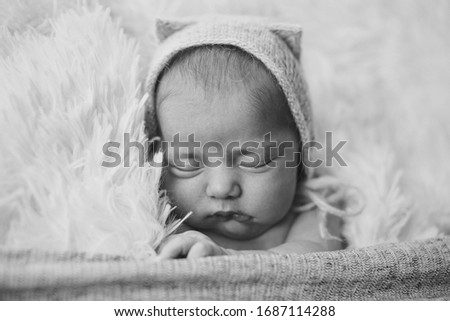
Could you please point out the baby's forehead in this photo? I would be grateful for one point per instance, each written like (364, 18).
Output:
(189, 109)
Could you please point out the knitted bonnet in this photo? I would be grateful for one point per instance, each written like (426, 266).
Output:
(277, 46)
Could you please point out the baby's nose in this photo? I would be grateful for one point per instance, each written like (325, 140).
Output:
(222, 184)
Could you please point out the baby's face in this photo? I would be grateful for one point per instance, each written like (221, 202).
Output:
(246, 194)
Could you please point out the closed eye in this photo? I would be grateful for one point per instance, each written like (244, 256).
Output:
(185, 168)
(253, 162)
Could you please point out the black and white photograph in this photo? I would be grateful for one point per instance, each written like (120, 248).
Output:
(289, 153)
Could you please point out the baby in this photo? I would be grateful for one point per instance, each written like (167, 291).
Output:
(229, 98)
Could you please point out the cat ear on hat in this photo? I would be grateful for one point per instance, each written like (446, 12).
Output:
(167, 27)
(291, 34)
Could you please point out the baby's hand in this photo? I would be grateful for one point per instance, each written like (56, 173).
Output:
(189, 244)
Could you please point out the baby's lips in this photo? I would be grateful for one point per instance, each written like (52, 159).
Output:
(237, 216)
(241, 217)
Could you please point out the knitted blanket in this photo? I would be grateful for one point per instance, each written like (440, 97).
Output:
(405, 271)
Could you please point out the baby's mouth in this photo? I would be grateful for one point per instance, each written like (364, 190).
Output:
(237, 216)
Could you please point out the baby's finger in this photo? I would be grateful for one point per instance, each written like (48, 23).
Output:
(200, 249)
(175, 248)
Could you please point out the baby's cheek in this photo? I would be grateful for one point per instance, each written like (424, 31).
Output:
(273, 193)
(283, 176)
(181, 192)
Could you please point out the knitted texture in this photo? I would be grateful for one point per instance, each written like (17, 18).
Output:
(277, 46)
(402, 271)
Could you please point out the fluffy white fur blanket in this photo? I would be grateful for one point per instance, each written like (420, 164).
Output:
(71, 80)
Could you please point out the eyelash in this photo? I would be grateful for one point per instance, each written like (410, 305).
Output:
(265, 163)
(183, 173)
(184, 169)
